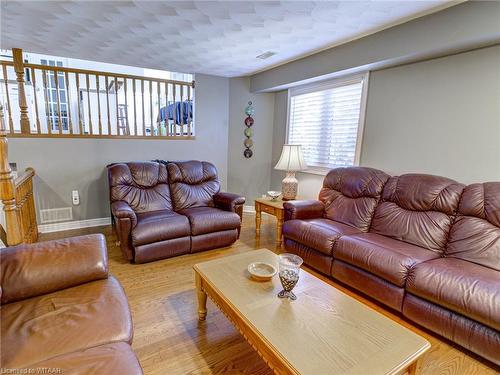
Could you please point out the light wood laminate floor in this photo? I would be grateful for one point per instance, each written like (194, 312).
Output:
(169, 339)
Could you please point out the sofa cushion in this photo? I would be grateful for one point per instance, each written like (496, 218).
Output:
(385, 257)
(116, 358)
(143, 185)
(208, 219)
(475, 234)
(351, 194)
(159, 226)
(318, 234)
(192, 183)
(65, 321)
(464, 287)
(418, 209)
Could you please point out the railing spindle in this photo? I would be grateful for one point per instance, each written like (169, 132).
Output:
(37, 120)
(80, 123)
(91, 130)
(117, 107)
(159, 104)
(190, 105)
(135, 109)
(167, 121)
(56, 81)
(48, 107)
(174, 112)
(127, 131)
(143, 113)
(9, 108)
(106, 82)
(151, 106)
(98, 90)
(68, 103)
(182, 110)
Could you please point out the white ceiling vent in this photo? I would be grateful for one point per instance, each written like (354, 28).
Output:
(54, 215)
(266, 55)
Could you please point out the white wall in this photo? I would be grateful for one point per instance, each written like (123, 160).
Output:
(63, 165)
(440, 116)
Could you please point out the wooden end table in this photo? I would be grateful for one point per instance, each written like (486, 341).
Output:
(271, 207)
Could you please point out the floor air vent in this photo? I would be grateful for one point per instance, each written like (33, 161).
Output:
(54, 215)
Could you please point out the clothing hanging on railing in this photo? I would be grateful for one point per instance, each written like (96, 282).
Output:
(186, 113)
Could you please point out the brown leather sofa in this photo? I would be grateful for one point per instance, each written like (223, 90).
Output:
(164, 209)
(60, 309)
(425, 246)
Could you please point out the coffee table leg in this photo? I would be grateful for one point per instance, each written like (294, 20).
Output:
(279, 230)
(412, 369)
(202, 298)
(258, 217)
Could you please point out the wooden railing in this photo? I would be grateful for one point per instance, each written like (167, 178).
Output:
(56, 101)
(25, 204)
(16, 196)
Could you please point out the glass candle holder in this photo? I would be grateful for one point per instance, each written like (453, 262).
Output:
(289, 268)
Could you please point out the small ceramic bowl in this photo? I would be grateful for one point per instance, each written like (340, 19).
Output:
(274, 194)
(261, 271)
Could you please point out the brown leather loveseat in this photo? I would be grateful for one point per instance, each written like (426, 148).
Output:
(426, 246)
(164, 209)
(60, 310)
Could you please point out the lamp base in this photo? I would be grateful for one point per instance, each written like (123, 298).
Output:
(289, 187)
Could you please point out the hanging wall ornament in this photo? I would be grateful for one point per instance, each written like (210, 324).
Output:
(248, 143)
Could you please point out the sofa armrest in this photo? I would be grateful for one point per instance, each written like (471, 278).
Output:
(45, 267)
(122, 210)
(307, 209)
(229, 202)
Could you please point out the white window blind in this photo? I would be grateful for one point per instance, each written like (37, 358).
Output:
(325, 120)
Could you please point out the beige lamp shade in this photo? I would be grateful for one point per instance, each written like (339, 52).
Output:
(291, 159)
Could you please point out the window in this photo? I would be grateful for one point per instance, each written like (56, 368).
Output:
(53, 114)
(327, 120)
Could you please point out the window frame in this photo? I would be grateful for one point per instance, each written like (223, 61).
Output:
(330, 84)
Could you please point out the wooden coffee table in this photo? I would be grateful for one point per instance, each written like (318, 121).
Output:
(323, 332)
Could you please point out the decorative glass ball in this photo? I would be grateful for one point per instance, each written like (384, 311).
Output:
(248, 132)
(248, 143)
(248, 153)
(249, 110)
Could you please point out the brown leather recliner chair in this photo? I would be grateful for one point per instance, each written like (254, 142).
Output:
(166, 209)
(61, 309)
(426, 246)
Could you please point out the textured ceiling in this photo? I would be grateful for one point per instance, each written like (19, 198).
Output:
(220, 38)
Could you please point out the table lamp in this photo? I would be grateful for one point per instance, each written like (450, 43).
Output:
(291, 161)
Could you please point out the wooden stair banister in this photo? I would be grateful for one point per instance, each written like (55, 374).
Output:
(18, 201)
(8, 195)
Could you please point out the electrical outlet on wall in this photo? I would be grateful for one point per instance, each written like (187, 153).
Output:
(75, 197)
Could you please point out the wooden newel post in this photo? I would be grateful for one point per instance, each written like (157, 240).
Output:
(8, 194)
(17, 54)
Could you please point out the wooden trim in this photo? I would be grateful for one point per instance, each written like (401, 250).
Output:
(103, 136)
(101, 73)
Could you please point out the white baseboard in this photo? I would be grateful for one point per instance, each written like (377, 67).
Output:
(249, 209)
(69, 225)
